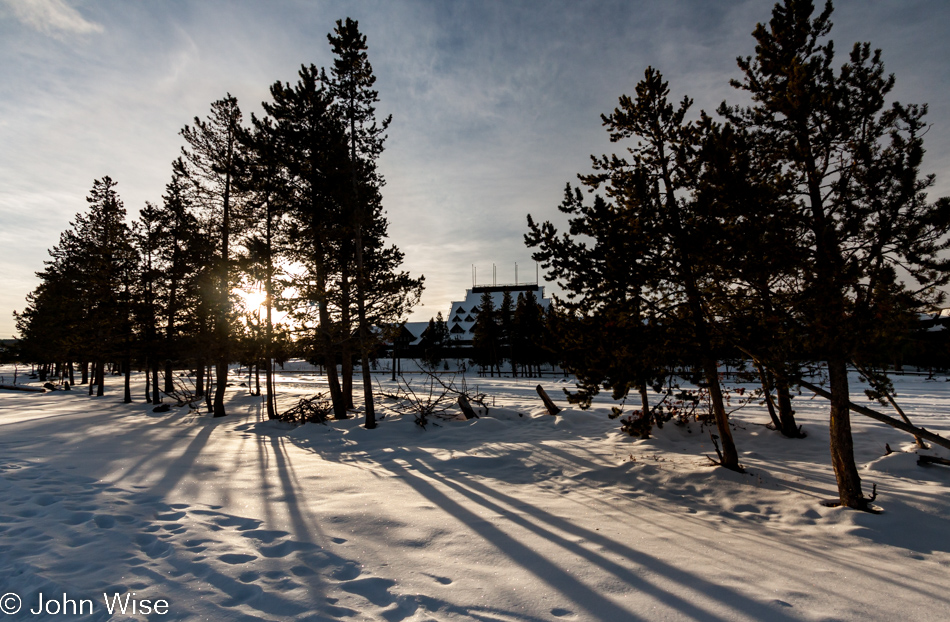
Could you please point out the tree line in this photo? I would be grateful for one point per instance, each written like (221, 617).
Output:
(289, 202)
(789, 230)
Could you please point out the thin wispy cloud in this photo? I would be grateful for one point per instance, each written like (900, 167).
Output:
(495, 105)
(51, 17)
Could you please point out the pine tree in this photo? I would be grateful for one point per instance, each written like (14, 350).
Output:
(528, 333)
(212, 161)
(176, 281)
(435, 339)
(486, 335)
(310, 142)
(149, 238)
(506, 336)
(269, 195)
(85, 288)
(352, 88)
(637, 298)
(857, 203)
(754, 288)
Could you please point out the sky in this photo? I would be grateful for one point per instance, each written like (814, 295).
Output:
(495, 105)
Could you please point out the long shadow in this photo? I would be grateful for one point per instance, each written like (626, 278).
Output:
(731, 599)
(801, 549)
(305, 531)
(875, 528)
(178, 468)
(37, 431)
(544, 569)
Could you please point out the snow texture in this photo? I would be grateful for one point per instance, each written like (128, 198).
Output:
(516, 515)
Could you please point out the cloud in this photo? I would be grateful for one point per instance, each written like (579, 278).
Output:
(51, 17)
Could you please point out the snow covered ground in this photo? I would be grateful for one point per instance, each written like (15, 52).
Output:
(513, 516)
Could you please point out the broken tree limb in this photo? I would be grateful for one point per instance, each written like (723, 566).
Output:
(886, 394)
(873, 414)
(466, 407)
(20, 387)
(925, 460)
(548, 402)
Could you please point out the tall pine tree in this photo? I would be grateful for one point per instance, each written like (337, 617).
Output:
(857, 204)
(212, 163)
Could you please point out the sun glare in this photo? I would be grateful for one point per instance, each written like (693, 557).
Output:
(253, 300)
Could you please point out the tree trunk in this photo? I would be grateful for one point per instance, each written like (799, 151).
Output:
(766, 380)
(325, 339)
(169, 378)
(221, 376)
(200, 379)
(333, 382)
(346, 346)
(148, 381)
(127, 398)
(346, 373)
(269, 329)
(785, 413)
(395, 345)
(84, 370)
(100, 378)
(269, 386)
(208, 390)
(156, 395)
(645, 405)
(842, 445)
(730, 457)
(368, 406)
(466, 408)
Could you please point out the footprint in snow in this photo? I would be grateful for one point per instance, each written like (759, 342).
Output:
(348, 572)
(302, 571)
(746, 507)
(236, 558)
(264, 535)
(373, 589)
(286, 548)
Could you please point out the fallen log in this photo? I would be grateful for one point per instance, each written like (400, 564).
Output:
(20, 387)
(873, 414)
(925, 460)
(548, 402)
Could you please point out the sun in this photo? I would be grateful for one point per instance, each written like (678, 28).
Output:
(253, 300)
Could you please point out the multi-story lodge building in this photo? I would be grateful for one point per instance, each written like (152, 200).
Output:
(462, 314)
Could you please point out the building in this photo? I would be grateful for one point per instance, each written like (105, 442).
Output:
(462, 314)
(461, 317)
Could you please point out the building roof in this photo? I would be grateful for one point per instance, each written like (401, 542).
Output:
(473, 298)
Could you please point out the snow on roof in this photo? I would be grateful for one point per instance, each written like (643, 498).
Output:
(473, 297)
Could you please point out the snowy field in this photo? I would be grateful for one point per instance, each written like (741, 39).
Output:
(513, 516)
